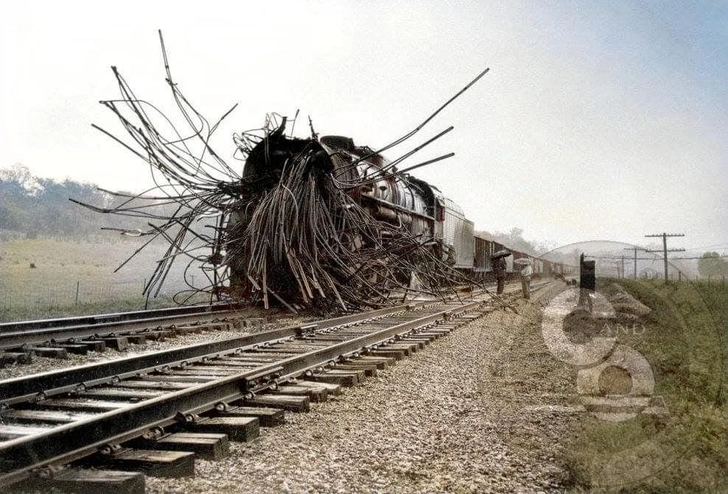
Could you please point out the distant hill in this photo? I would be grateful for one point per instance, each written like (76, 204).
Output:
(33, 207)
(514, 240)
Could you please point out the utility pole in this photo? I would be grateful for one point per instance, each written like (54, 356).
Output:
(635, 249)
(664, 248)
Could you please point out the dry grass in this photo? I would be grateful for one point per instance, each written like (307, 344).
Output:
(75, 276)
(684, 340)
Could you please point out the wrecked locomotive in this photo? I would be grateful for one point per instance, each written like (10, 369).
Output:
(346, 209)
(324, 211)
(310, 222)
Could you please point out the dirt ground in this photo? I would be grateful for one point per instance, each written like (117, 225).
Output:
(483, 410)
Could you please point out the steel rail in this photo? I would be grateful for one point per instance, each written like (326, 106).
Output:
(66, 330)
(29, 337)
(65, 443)
(46, 384)
(28, 333)
(113, 317)
(291, 367)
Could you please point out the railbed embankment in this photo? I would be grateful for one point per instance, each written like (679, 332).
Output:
(443, 420)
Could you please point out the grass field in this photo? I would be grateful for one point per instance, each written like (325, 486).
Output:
(683, 450)
(77, 277)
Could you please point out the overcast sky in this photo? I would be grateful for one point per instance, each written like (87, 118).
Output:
(598, 120)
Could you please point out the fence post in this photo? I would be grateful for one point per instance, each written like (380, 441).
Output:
(78, 284)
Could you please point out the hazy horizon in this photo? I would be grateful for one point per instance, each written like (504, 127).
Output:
(599, 121)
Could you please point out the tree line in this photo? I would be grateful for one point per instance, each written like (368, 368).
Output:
(33, 207)
(514, 240)
(712, 264)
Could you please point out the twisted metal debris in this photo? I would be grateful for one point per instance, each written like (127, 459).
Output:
(291, 228)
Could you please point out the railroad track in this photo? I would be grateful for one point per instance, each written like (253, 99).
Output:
(20, 341)
(91, 424)
(114, 317)
(119, 415)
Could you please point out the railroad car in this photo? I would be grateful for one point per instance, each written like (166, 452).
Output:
(388, 195)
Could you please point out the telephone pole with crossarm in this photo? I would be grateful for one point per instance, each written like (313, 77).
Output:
(635, 249)
(664, 247)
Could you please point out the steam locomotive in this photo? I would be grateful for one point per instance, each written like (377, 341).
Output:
(393, 198)
(309, 219)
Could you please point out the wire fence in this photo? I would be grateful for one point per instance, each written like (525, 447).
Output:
(61, 294)
(67, 296)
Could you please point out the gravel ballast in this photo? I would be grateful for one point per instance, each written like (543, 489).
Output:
(481, 410)
(48, 364)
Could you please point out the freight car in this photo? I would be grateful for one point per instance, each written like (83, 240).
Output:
(482, 263)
